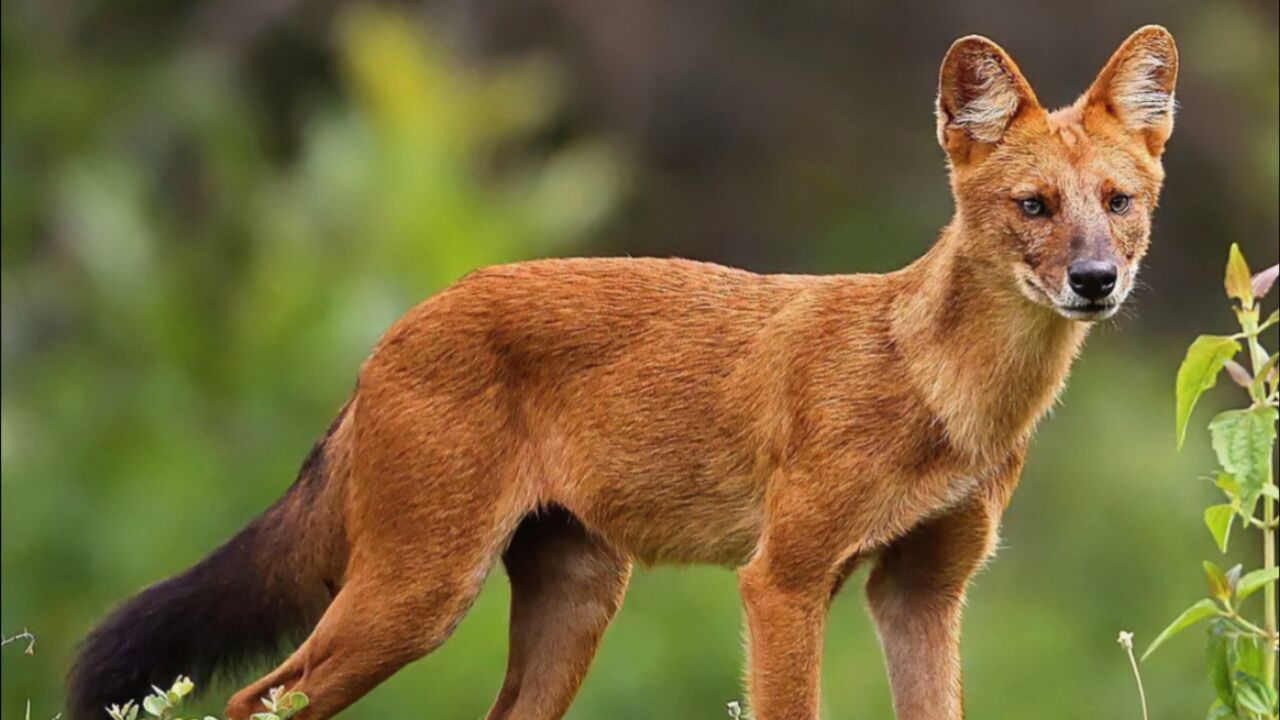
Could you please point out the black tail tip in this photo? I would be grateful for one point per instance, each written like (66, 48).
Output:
(220, 617)
(123, 658)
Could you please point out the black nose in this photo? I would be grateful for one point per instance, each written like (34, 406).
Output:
(1092, 279)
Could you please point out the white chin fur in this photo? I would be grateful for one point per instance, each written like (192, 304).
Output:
(1070, 305)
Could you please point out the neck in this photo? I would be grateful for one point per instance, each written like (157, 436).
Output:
(987, 361)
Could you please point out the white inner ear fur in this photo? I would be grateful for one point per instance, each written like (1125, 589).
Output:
(988, 105)
(1139, 94)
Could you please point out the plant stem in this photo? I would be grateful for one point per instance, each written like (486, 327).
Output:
(1243, 623)
(1264, 525)
(1142, 693)
(24, 635)
(1126, 642)
(1269, 592)
(1259, 358)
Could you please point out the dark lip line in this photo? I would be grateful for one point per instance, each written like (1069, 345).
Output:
(1086, 308)
(1091, 308)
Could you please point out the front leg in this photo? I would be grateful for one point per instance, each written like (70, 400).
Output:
(784, 630)
(786, 591)
(916, 593)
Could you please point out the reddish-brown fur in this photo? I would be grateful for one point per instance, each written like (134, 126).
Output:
(571, 417)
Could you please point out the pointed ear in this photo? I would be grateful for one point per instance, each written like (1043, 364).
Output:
(980, 92)
(1136, 87)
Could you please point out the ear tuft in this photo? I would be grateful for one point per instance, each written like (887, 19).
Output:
(1137, 85)
(980, 91)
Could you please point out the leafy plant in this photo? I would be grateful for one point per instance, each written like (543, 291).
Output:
(1241, 653)
(164, 704)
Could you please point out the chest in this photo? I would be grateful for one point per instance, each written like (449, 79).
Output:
(922, 487)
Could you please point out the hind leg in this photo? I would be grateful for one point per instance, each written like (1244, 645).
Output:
(428, 508)
(377, 624)
(566, 586)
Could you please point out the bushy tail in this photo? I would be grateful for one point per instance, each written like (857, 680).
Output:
(265, 587)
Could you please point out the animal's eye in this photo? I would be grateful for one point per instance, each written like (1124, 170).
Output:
(1119, 204)
(1032, 207)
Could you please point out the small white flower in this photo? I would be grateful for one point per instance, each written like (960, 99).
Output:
(1125, 639)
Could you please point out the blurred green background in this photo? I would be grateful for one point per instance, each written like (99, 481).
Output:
(211, 210)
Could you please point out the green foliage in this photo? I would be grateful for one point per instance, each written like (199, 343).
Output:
(1199, 372)
(1239, 281)
(165, 704)
(1243, 440)
(1241, 654)
(1190, 616)
(1254, 581)
(1219, 518)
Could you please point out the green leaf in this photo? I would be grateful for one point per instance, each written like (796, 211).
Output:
(1239, 280)
(1199, 372)
(1254, 581)
(1242, 440)
(297, 700)
(1219, 587)
(1227, 485)
(1192, 615)
(1253, 695)
(155, 705)
(1218, 711)
(1218, 519)
(1250, 659)
(1220, 667)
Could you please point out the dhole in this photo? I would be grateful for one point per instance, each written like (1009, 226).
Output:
(574, 417)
